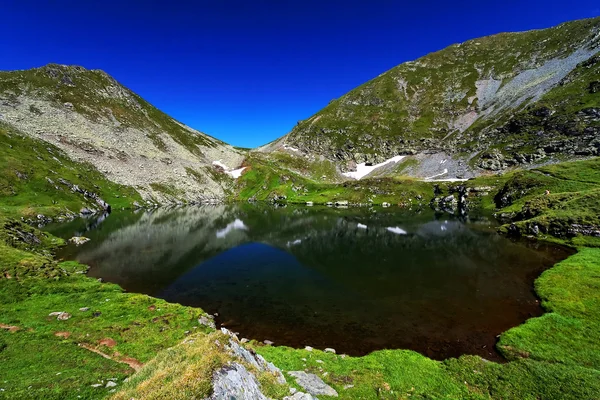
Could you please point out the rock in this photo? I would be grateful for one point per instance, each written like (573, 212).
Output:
(244, 340)
(79, 240)
(341, 203)
(313, 384)
(204, 320)
(256, 360)
(385, 204)
(110, 384)
(268, 342)
(63, 316)
(96, 385)
(84, 309)
(594, 87)
(235, 382)
(308, 348)
(329, 350)
(309, 203)
(85, 211)
(300, 396)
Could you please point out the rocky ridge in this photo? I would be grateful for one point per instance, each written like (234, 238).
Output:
(96, 120)
(490, 104)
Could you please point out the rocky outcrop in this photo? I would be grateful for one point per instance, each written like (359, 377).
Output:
(235, 382)
(313, 384)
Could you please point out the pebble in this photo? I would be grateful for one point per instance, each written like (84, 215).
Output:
(111, 384)
(308, 348)
(84, 309)
(329, 350)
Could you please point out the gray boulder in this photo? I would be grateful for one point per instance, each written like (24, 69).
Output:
(313, 384)
(235, 382)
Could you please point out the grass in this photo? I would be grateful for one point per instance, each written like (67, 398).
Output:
(186, 371)
(267, 178)
(52, 359)
(30, 180)
(555, 356)
(573, 200)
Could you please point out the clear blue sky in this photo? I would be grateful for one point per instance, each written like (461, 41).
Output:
(246, 71)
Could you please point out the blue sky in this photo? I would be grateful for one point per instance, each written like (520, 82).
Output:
(247, 71)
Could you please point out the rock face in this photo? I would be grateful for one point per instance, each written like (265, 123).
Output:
(313, 384)
(235, 382)
(94, 119)
(513, 99)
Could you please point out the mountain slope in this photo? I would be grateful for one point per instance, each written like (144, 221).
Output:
(93, 118)
(486, 104)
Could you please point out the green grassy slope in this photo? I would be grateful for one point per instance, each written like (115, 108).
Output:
(30, 174)
(427, 103)
(570, 210)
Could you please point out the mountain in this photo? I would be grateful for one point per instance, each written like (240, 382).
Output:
(94, 119)
(489, 104)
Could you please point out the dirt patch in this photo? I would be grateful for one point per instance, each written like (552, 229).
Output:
(132, 362)
(10, 328)
(108, 342)
(63, 334)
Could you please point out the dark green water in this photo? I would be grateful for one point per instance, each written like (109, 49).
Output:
(356, 280)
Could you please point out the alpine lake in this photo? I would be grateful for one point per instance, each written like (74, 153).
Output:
(353, 279)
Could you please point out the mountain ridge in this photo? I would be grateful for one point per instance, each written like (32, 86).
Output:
(448, 101)
(93, 118)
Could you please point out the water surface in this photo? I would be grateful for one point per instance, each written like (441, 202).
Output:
(356, 280)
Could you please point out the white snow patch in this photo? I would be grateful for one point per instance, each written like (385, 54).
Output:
(235, 173)
(237, 224)
(396, 230)
(363, 170)
(295, 242)
(431, 178)
(361, 226)
(220, 164)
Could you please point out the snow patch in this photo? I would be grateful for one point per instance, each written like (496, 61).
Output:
(363, 169)
(235, 173)
(397, 230)
(295, 242)
(237, 224)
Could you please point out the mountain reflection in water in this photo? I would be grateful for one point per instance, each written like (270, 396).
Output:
(356, 280)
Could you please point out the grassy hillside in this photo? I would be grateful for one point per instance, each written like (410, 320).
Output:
(37, 177)
(485, 100)
(98, 96)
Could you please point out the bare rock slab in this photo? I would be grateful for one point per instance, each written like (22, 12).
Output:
(313, 384)
(235, 382)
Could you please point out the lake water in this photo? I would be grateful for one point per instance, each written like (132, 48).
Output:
(356, 279)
